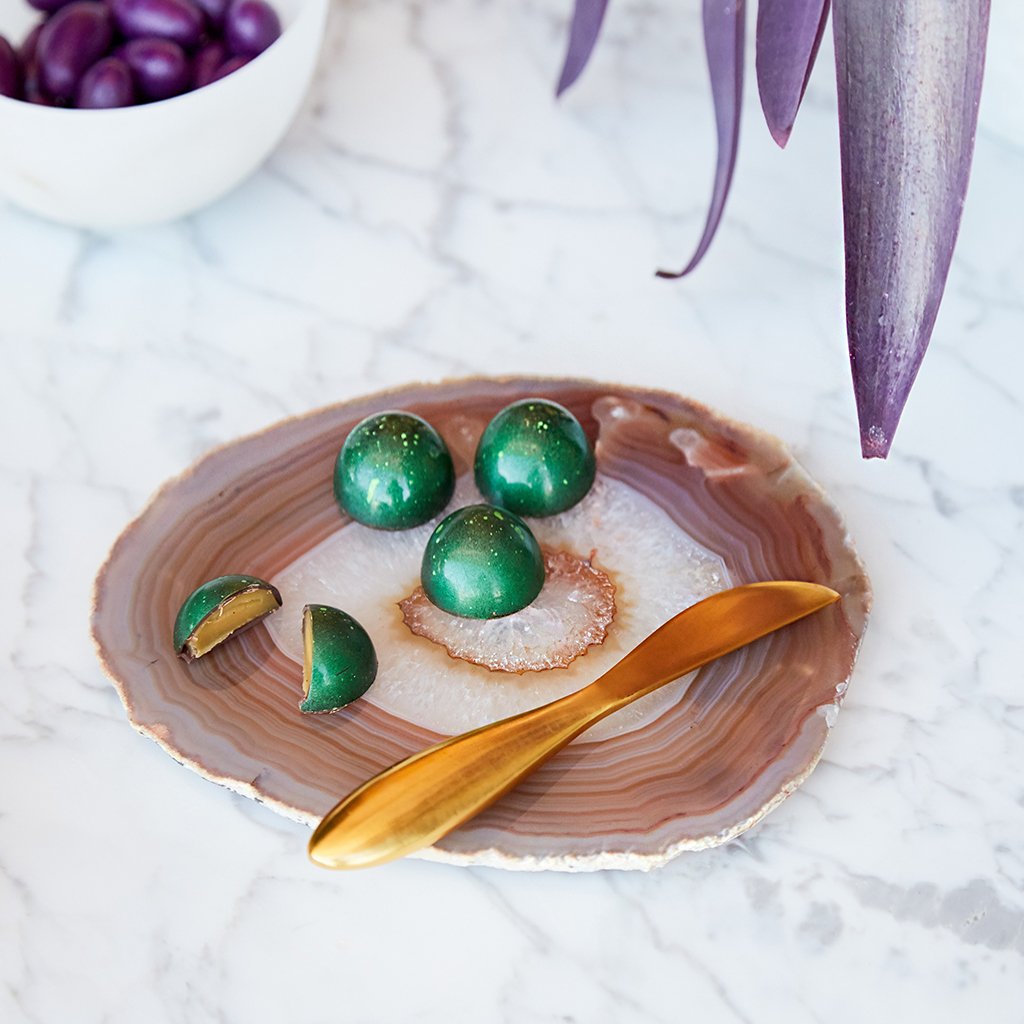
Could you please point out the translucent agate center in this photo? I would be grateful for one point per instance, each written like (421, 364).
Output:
(657, 568)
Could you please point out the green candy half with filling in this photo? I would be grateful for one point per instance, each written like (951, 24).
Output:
(220, 608)
(339, 660)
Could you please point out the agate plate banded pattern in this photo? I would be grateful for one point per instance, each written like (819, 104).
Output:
(743, 735)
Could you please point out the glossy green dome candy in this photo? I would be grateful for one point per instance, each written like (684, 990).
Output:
(339, 661)
(393, 472)
(534, 459)
(481, 563)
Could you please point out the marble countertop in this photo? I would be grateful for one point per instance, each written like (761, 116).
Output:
(434, 213)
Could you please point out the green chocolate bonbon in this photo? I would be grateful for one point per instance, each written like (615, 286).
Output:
(534, 459)
(340, 662)
(393, 472)
(482, 562)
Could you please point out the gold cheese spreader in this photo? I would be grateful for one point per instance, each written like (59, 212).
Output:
(417, 801)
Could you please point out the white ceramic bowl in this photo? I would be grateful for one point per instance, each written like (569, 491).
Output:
(152, 163)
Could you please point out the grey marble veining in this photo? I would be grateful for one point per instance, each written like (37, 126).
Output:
(435, 213)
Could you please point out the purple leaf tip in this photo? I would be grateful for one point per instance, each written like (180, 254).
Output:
(587, 18)
(723, 42)
(909, 77)
(788, 36)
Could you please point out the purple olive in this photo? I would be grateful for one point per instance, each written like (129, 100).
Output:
(159, 67)
(250, 26)
(229, 67)
(10, 71)
(180, 21)
(32, 88)
(72, 41)
(48, 6)
(206, 63)
(214, 11)
(27, 50)
(107, 84)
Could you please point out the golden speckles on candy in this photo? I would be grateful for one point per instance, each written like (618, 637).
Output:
(534, 459)
(393, 472)
(482, 563)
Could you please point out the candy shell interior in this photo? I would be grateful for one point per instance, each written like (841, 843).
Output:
(743, 736)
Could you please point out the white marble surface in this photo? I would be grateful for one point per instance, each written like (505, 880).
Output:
(434, 213)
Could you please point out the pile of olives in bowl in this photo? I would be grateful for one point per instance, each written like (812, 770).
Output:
(149, 162)
(104, 54)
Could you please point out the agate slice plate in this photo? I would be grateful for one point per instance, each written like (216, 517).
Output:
(719, 751)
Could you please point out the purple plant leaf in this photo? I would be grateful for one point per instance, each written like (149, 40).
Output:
(723, 43)
(587, 17)
(909, 76)
(788, 35)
